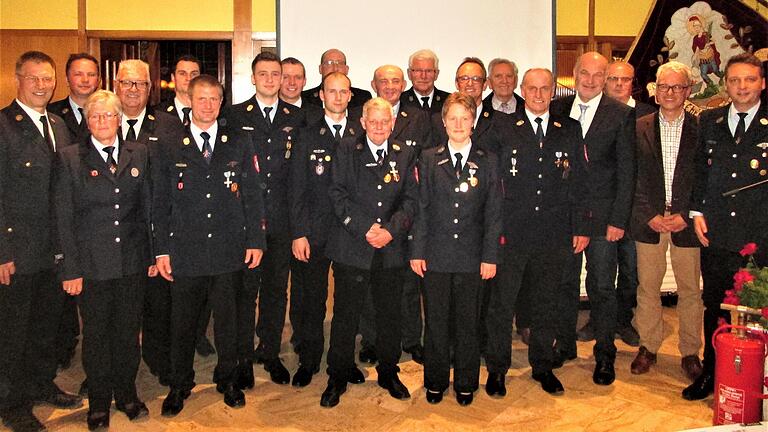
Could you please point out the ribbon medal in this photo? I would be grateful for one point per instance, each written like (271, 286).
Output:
(393, 171)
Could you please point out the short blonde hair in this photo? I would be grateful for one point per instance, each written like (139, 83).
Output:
(377, 103)
(457, 98)
(103, 97)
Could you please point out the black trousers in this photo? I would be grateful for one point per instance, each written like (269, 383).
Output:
(441, 290)
(156, 327)
(568, 305)
(188, 298)
(112, 312)
(412, 323)
(521, 265)
(349, 295)
(717, 269)
(273, 295)
(69, 328)
(309, 286)
(30, 312)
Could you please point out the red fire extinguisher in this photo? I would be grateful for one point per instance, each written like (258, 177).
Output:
(739, 375)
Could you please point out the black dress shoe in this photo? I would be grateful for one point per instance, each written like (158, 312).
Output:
(434, 396)
(97, 420)
(549, 383)
(464, 399)
(204, 347)
(233, 396)
(59, 398)
(495, 385)
(604, 373)
(332, 394)
(356, 376)
(303, 376)
(416, 352)
(21, 419)
(701, 388)
(277, 372)
(245, 378)
(174, 402)
(368, 355)
(134, 410)
(560, 358)
(396, 388)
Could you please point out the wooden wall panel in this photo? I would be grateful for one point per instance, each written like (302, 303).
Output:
(56, 43)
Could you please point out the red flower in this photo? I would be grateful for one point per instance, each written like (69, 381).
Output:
(765, 312)
(731, 300)
(741, 277)
(749, 249)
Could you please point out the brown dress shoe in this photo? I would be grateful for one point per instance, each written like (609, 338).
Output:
(691, 366)
(642, 363)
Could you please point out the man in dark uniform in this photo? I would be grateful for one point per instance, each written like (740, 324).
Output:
(187, 67)
(311, 215)
(273, 126)
(607, 153)
(158, 131)
(412, 127)
(539, 183)
(334, 60)
(502, 80)
(294, 80)
(423, 70)
(208, 222)
(733, 153)
(374, 199)
(618, 85)
(30, 298)
(83, 79)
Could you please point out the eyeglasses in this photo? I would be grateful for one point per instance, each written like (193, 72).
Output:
(423, 71)
(31, 79)
(623, 80)
(677, 88)
(102, 116)
(127, 85)
(474, 79)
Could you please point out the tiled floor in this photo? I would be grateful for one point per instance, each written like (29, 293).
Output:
(650, 402)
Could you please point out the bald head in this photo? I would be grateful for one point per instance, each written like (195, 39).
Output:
(589, 74)
(389, 83)
(333, 60)
(618, 85)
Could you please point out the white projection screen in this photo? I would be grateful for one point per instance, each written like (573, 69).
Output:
(373, 33)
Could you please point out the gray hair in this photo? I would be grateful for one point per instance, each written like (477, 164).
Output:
(674, 66)
(103, 97)
(424, 54)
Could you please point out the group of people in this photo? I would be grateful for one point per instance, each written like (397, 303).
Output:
(478, 210)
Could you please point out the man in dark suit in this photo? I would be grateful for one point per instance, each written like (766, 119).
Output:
(541, 191)
(667, 143)
(374, 195)
(732, 154)
(186, 68)
(618, 85)
(412, 128)
(273, 126)
(294, 80)
(207, 214)
(158, 131)
(471, 81)
(502, 80)
(334, 60)
(423, 70)
(82, 79)
(311, 216)
(30, 298)
(607, 155)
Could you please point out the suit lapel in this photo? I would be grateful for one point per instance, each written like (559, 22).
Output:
(401, 122)
(601, 116)
(124, 158)
(28, 127)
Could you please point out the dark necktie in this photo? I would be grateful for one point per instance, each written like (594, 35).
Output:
(207, 150)
(266, 116)
(425, 102)
(47, 133)
(337, 132)
(457, 167)
(741, 127)
(539, 131)
(380, 156)
(131, 136)
(111, 163)
(186, 111)
(83, 124)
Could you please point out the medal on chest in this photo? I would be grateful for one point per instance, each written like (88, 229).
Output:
(392, 172)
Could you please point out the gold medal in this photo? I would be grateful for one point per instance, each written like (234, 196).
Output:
(288, 145)
(134, 172)
(327, 158)
(387, 178)
(186, 141)
(463, 187)
(288, 154)
(754, 164)
(763, 172)
(566, 164)
(473, 181)
(233, 188)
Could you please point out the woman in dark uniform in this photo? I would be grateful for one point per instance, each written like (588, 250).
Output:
(455, 241)
(102, 211)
